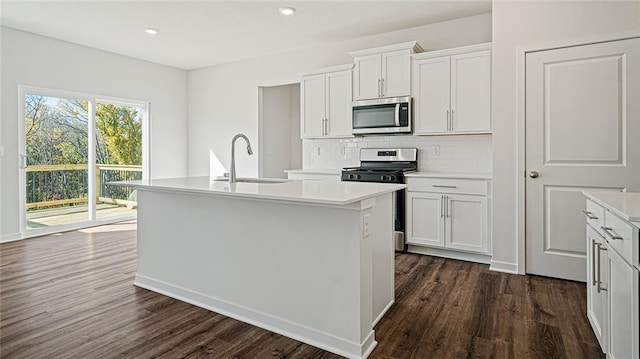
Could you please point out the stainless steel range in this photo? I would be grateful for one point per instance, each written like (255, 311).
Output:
(387, 165)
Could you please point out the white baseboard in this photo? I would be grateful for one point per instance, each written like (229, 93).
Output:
(438, 252)
(266, 321)
(504, 267)
(5, 238)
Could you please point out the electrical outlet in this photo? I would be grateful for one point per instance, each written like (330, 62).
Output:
(1, 151)
(435, 150)
(365, 226)
(316, 150)
(343, 152)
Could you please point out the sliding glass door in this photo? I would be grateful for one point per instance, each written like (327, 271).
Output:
(73, 146)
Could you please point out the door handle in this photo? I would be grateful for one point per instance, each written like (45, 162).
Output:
(534, 174)
(25, 161)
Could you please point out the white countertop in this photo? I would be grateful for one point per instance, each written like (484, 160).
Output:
(317, 171)
(425, 174)
(321, 192)
(625, 205)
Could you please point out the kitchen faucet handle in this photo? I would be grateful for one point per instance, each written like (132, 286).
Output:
(226, 174)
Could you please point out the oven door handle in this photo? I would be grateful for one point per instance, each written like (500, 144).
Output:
(397, 115)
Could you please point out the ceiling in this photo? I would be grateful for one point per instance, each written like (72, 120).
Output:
(195, 34)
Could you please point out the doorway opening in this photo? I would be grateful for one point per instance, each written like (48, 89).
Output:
(280, 145)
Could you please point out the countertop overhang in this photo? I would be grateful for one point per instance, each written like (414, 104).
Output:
(625, 205)
(311, 192)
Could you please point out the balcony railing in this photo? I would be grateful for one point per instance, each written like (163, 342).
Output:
(65, 185)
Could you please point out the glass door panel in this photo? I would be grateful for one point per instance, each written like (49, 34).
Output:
(118, 157)
(57, 153)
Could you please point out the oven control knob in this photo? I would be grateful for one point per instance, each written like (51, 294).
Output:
(358, 176)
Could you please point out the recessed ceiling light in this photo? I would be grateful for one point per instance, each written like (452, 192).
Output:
(287, 10)
(151, 31)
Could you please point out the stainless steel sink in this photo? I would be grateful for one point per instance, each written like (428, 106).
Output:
(253, 180)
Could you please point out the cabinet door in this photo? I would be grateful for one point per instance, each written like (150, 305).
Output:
(425, 219)
(623, 308)
(431, 89)
(312, 105)
(471, 92)
(338, 110)
(597, 300)
(396, 73)
(466, 226)
(366, 77)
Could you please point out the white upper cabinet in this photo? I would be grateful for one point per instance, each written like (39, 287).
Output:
(325, 103)
(313, 105)
(383, 71)
(452, 91)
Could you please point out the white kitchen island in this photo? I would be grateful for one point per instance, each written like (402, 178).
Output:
(311, 260)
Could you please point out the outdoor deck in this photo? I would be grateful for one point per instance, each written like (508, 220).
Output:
(66, 215)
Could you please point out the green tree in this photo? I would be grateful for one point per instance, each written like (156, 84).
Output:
(120, 131)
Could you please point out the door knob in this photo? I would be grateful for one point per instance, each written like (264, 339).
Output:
(534, 174)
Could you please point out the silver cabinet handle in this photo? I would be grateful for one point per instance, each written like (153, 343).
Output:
(382, 87)
(442, 206)
(609, 233)
(447, 120)
(443, 186)
(447, 207)
(599, 287)
(589, 215)
(326, 126)
(379, 89)
(451, 120)
(593, 262)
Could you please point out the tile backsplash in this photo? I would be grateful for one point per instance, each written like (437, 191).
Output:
(464, 153)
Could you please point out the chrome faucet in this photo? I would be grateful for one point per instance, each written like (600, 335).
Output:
(232, 167)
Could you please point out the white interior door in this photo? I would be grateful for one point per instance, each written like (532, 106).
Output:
(582, 130)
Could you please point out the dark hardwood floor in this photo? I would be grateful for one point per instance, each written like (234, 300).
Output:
(71, 296)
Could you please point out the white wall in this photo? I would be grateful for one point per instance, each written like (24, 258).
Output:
(223, 99)
(33, 60)
(516, 24)
(280, 145)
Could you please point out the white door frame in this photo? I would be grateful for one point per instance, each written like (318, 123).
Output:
(93, 100)
(521, 116)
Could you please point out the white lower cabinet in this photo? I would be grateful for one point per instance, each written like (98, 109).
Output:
(613, 283)
(448, 214)
(597, 277)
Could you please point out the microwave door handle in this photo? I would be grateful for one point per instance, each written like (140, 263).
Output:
(397, 115)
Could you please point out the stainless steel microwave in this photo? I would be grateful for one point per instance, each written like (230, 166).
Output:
(387, 115)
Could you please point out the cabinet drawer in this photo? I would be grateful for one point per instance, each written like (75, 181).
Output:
(448, 185)
(620, 236)
(595, 216)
